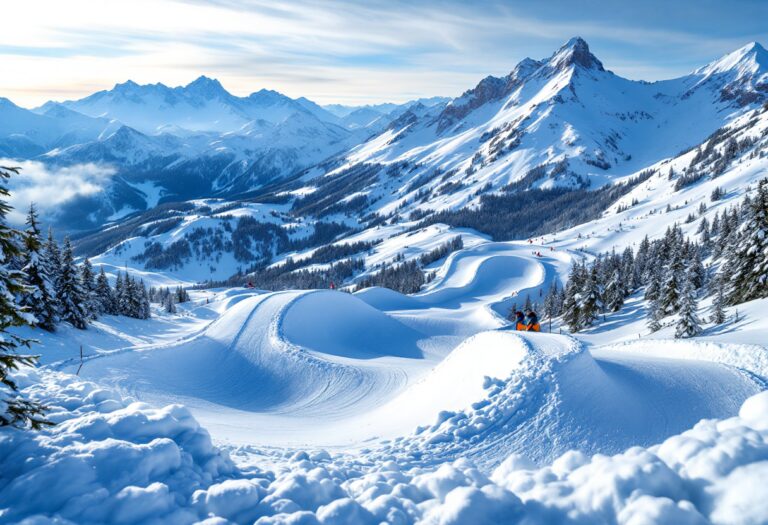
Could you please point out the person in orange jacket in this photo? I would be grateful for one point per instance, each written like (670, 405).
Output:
(532, 322)
(520, 322)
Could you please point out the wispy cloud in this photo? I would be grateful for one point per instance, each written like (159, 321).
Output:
(337, 50)
(50, 187)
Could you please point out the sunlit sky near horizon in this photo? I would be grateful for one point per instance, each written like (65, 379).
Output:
(348, 52)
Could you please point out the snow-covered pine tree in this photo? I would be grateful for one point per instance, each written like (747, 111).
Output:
(591, 303)
(52, 256)
(671, 289)
(118, 297)
(747, 264)
(15, 410)
(40, 299)
(641, 259)
(528, 305)
(169, 304)
(105, 300)
(88, 281)
(181, 295)
(654, 315)
(615, 292)
(130, 298)
(72, 296)
(551, 301)
(653, 290)
(719, 315)
(572, 297)
(688, 323)
(145, 310)
(695, 265)
(632, 280)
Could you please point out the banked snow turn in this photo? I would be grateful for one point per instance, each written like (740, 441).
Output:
(337, 370)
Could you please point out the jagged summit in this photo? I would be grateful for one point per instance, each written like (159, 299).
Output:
(205, 86)
(750, 59)
(575, 52)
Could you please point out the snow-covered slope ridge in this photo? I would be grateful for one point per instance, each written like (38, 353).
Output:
(332, 369)
(560, 121)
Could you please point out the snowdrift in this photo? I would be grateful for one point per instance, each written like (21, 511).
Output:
(290, 353)
(340, 324)
(560, 396)
(112, 461)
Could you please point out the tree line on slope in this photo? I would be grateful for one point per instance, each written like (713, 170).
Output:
(59, 290)
(508, 216)
(672, 274)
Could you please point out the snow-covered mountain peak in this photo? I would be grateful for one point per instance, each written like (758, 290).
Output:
(575, 52)
(740, 76)
(750, 59)
(205, 87)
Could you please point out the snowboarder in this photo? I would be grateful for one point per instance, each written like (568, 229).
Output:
(533, 322)
(520, 322)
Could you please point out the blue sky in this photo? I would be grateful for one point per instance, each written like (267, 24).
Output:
(349, 52)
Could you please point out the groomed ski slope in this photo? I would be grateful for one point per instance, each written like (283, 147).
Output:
(340, 371)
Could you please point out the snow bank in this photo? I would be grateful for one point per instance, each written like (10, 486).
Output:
(109, 460)
(749, 358)
(341, 324)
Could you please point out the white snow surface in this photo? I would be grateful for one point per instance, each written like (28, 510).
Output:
(329, 407)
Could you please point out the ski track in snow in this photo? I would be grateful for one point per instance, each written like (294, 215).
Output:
(353, 372)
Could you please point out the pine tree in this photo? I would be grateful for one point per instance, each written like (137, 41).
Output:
(130, 298)
(719, 302)
(52, 256)
(181, 295)
(88, 280)
(591, 299)
(105, 300)
(641, 259)
(572, 296)
(748, 262)
(615, 292)
(40, 299)
(654, 316)
(169, 304)
(15, 410)
(72, 297)
(688, 324)
(118, 297)
(551, 301)
(671, 289)
(145, 310)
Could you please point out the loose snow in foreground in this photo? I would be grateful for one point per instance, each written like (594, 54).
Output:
(112, 461)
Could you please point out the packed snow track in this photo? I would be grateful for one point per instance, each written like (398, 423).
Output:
(337, 370)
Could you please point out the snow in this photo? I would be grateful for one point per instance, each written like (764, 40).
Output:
(110, 460)
(331, 407)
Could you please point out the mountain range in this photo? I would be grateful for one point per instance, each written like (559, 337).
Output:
(562, 121)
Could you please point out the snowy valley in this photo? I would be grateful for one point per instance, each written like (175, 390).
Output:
(321, 331)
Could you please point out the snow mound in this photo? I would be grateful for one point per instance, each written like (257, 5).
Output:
(340, 324)
(289, 353)
(561, 397)
(112, 461)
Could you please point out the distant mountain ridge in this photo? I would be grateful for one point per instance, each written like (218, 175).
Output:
(561, 121)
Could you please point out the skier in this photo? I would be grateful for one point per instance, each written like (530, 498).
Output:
(520, 322)
(533, 322)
